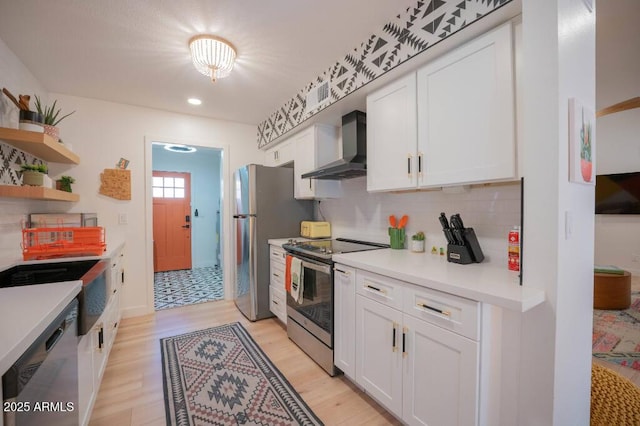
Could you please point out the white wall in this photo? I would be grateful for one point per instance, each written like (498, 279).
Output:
(559, 63)
(491, 211)
(617, 238)
(19, 81)
(204, 165)
(103, 132)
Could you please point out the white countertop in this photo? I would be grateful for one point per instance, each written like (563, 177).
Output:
(112, 249)
(280, 241)
(26, 311)
(477, 281)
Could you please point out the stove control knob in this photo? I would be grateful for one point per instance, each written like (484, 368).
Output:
(323, 250)
(329, 251)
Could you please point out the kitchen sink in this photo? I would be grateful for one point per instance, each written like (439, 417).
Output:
(93, 274)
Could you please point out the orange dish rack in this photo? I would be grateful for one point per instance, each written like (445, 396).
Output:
(49, 243)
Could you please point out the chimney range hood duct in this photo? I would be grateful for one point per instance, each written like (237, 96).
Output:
(354, 151)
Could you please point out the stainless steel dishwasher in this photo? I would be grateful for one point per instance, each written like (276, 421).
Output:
(41, 387)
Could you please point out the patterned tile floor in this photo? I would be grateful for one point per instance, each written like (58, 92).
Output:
(187, 287)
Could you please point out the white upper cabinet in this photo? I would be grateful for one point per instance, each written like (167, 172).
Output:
(466, 113)
(392, 136)
(314, 147)
(451, 123)
(280, 154)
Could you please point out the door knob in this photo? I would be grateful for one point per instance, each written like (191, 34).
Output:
(186, 226)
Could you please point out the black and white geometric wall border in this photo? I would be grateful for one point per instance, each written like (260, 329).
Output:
(410, 33)
(10, 161)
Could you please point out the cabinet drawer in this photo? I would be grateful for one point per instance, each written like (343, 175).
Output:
(277, 272)
(277, 303)
(380, 288)
(451, 312)
(278, 255)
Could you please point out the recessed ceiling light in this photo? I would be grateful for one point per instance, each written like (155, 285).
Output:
(179, 148)
(194, 101)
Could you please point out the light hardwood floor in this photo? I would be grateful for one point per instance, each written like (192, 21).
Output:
(131, 392)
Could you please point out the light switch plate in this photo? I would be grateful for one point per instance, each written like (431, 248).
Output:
(122, 219)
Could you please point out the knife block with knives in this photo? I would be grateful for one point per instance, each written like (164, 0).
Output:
(462, 243)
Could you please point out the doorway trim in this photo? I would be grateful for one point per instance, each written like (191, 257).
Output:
(226, 225)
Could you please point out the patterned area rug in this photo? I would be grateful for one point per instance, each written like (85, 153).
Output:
(187, 287)
(616, 334)
(220, 376)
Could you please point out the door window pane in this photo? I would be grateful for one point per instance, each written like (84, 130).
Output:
(168, 187)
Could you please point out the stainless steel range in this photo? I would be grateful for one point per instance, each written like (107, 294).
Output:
(310, 322)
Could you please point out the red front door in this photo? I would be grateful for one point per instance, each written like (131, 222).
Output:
(171, 221)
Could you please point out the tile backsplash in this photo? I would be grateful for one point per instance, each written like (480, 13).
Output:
(490, 210)
(13, 215)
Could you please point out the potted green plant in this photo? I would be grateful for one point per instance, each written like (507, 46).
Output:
(64, 183)
(34, 174)
(417, 242)
(51, 117)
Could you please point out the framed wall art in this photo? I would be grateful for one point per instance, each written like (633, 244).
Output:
(582, 143)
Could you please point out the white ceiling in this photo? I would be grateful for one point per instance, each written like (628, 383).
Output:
(136, 52)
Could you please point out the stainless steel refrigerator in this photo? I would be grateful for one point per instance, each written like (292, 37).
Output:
(264, 209)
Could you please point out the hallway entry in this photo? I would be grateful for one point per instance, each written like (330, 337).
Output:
(187, 193)
(171, 221)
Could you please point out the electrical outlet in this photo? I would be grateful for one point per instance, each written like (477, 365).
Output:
(635, 258)
(122, 219)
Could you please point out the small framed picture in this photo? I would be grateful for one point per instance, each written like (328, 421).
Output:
(582, 143)
(122, 164)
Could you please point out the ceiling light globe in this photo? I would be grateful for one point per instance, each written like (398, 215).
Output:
(212, 56)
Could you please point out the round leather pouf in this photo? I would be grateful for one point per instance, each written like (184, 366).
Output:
(611, 291)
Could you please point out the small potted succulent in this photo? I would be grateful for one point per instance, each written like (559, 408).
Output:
(64, 183)
(34, 175)
(417, 242)
(51, 118)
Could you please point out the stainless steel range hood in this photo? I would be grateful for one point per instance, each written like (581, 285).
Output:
(354, 151)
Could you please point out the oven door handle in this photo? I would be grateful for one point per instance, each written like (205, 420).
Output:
(316, 266)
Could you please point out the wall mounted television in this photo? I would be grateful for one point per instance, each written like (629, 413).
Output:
(618, 193)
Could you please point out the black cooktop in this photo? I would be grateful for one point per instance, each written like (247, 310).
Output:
(325, 248)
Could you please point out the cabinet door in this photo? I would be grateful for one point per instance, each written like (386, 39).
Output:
(379, 352)
(440, 376)
(315, 147)
(279, 155)
(344, 343)
(466, 113)
(392, 136)
(304, 162)
(277, 303)
(86, 390)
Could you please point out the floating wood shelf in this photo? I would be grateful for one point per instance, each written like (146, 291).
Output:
(39, 144)
(621, 106)
(36, 193)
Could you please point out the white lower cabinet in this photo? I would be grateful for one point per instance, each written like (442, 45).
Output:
(378, 352)
(277, 293)
(440, 385)
(416, 350)
(95, 346)
(344, 354)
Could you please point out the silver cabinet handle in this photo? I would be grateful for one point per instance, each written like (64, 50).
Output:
(347, 273)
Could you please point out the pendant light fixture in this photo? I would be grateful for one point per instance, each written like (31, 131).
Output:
(212, 56)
